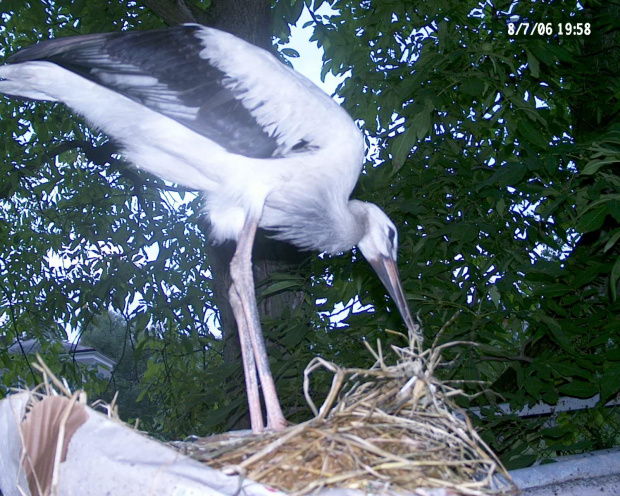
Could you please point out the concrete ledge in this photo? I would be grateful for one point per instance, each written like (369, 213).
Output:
(596, 473)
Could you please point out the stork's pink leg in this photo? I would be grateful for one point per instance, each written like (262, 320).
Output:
(243, 285)
(249, 364)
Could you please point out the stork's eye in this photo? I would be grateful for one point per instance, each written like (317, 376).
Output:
(392, 236)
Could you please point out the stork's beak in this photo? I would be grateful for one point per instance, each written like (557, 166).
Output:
(387, 270)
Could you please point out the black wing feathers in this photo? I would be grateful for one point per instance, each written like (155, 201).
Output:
(162, 70)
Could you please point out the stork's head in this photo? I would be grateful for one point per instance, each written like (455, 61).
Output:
(379, 245)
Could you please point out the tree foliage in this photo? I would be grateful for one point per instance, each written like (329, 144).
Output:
(497, 157)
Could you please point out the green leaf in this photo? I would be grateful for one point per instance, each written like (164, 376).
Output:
(550, 395)
(402, 145)
(553, 290)
(612, 240)
(557, 332)
(473, 86)
(614, 277)
(500, 206)
(593, 219)
(495, 351)
(613, 208)
(594, 165)
(555, 432)
(464, 232)
(533, 385)
(532, 133)
(571, 369)
(579, 389)
(544, 54)
(278, 287)
(521, 461)
(76, 7)
(494, 295)
(506, 175)
(533, 64)
(294, 336)
(610, 383)
(290, 52)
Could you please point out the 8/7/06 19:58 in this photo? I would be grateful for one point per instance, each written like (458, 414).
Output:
(567, 28)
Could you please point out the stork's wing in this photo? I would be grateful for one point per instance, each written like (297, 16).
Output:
(215, 84)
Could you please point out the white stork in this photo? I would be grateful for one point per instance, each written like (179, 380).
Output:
(206, 110)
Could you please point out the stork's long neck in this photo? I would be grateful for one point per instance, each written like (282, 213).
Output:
(358, 212)
(316, 222)
(349, 225)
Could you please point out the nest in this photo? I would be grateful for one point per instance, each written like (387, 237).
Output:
(385, 430)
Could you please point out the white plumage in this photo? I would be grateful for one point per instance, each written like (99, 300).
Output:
(204, 109)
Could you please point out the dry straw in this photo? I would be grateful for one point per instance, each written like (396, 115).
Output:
(389, 429)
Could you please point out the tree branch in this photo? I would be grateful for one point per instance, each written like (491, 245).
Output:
(172, 12)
